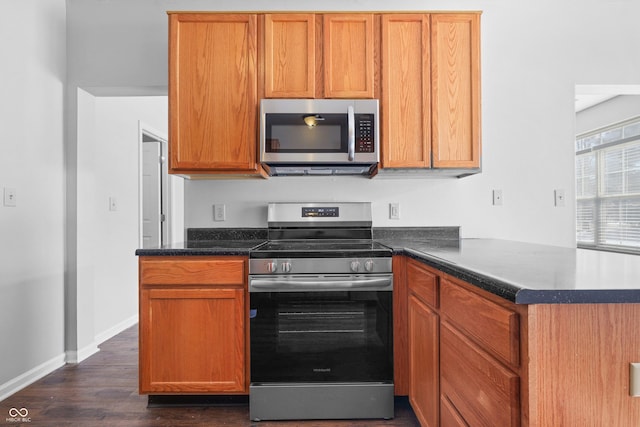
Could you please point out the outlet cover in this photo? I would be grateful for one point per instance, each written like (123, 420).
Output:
(219, 212)
(10, 197)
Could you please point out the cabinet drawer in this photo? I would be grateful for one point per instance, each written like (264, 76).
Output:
(422, 283)
(494, 327)
(449, 417)
(481, 389)
(199, 271)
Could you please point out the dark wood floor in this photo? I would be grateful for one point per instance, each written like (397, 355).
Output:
(103, 391)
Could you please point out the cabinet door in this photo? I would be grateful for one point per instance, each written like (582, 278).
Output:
(455, 96)
(192, 341)
(290, 55)
(406, 123)
(212, 92)
(423, 362)
(348, 46)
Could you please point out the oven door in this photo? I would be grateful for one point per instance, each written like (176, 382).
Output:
(321, 329)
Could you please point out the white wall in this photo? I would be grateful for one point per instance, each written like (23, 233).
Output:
(32, 78)
(108, 167)
(116, 172)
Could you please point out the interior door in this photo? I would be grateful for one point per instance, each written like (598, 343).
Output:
(152, 206)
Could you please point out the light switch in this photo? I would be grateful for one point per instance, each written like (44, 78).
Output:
(394, 210)
(10, 197)
(559, 197)
(497, 197)
(113, 204)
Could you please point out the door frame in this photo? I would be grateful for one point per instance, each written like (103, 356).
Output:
(166, 191)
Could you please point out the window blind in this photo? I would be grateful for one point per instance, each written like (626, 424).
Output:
(608, 188)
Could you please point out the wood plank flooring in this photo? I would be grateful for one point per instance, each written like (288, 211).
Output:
(103, 391)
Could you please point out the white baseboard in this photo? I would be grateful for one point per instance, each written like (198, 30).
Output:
(18, 383)
(73, 356)
(115, 330)
(93, 348)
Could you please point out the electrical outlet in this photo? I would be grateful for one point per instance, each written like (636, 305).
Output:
(559, 197)
(394, 210)
(497, 197)
(10, 197)
(219, 212)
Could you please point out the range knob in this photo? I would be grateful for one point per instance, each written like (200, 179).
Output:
(368, 265)
(272, 266)
(286, 267)
(355, 266)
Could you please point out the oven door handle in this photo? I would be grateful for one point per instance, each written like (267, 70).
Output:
(319, 285)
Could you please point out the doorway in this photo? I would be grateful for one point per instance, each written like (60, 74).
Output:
(154, 188)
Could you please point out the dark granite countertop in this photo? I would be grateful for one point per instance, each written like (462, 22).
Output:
(203, 248)
(527, 273)
(523, 273)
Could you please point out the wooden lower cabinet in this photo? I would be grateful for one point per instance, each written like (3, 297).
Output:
(505, 364)
(193, 328)
(463, 351)
(423, 362)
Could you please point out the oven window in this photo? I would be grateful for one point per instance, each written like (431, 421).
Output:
(321, 337)
(288, 133)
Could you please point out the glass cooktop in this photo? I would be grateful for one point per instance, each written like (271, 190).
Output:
(320, 249)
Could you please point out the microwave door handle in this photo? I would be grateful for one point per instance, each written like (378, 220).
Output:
(351, 138)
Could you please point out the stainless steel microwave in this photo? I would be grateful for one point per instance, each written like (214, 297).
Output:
(319, 136)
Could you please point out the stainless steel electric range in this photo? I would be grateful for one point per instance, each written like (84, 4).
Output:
(321, 317)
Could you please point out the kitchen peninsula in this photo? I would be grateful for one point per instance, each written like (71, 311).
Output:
(494, 332)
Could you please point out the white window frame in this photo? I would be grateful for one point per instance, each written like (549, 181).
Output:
(591, 231)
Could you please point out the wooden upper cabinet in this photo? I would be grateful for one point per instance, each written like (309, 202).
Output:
(455, 90)
(430, 71)
(212, 92)
(348, 52)
(290, 55)
(405, 122)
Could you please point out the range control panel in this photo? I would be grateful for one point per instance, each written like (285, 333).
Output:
(320, 212)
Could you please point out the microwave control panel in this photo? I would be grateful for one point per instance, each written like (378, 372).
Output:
(364, 133)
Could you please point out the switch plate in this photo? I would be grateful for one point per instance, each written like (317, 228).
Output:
(10, 197)
(394, 210)
(558, 197)
(219, 212)
(113, 204)
(497, 197)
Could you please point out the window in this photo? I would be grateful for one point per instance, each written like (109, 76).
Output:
(608, 188)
